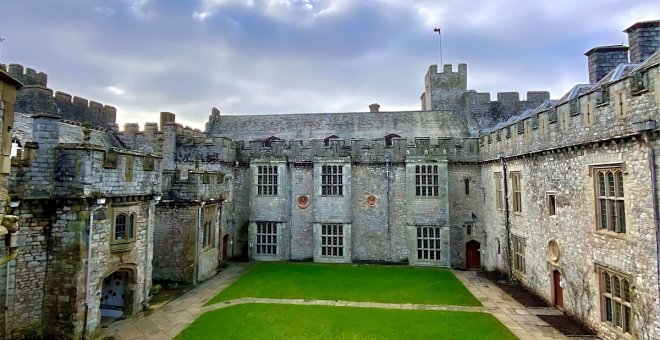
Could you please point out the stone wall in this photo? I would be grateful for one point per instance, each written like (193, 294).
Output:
(555, 153)
(175, 236)
(368, 125)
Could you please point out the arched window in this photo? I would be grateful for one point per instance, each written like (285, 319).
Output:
(610, 200)
(120, 227)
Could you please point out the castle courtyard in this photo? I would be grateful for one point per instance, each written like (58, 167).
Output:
(215, 308)
(310, 169)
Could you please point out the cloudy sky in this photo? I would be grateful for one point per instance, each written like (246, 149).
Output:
(283, 56)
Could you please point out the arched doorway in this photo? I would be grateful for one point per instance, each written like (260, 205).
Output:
(558, 289)
(116, 298)
(473, 255)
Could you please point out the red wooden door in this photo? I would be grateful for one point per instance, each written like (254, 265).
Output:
(224, 247)
(473, 255)
(559, 292)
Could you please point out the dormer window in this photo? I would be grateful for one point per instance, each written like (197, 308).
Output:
(267, 143)
(388, 138)
(326, 141)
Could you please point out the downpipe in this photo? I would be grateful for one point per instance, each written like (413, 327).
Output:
(507, 223)
(654, 199)
(90, 238)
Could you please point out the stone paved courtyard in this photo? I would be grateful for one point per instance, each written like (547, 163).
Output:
(169, 320)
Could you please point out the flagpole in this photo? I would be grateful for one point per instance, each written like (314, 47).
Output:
(440, 61)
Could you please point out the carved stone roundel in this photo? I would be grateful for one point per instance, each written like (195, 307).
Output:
(302, 201)
(371, 200)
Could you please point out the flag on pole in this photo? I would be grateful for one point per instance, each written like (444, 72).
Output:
(437, 29)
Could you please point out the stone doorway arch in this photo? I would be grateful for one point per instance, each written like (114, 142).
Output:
(118, 293)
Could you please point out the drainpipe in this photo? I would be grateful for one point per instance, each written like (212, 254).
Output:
(88, 281)
(654, 199)
(199, 225)
(290, 205)
(507, 223)
(7, 331)
(387, 206)
(146, 250)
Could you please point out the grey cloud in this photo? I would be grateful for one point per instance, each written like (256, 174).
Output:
(247, 60)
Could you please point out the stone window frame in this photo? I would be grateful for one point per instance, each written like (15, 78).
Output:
(129, 233)
(551, 199)
(332, 240)
(516, 191)
(428, 243)
(208, 227)
(267, 180)
(615, 292)
(332, 180)
(427, 180)
(466, 186)
(266, 238)
(518, 249)
(499, 193)
(609, 190)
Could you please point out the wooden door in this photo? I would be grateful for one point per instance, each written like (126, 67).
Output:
(559, 291)
(224, 247)
(473, 255)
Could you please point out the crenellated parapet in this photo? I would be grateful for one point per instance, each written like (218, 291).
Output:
(395, 150)
(36, 98)
(482, 111)
(27, 76)
(193, 185)
(443, 90)
(620, 106)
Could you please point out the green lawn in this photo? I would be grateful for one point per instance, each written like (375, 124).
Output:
(374, 283)
(263, 321)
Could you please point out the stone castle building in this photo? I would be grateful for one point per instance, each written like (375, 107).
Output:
(562, 194)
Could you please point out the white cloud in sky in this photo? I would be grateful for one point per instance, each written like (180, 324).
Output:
(280, 56)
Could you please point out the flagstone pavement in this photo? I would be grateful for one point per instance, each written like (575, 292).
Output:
(170, 319)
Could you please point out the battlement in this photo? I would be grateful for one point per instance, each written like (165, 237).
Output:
(482, 112)
(607, 109)
(27, 76)
(443, 91)
(394, 149)
(193, 185)
(84, 110)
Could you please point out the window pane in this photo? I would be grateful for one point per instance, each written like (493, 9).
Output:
(601, 184)
(619, 182)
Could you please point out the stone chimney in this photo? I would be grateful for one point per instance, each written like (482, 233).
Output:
(604, 59)
(643, 39)
(375, 107)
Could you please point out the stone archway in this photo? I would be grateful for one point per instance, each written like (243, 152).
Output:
(118, 293)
